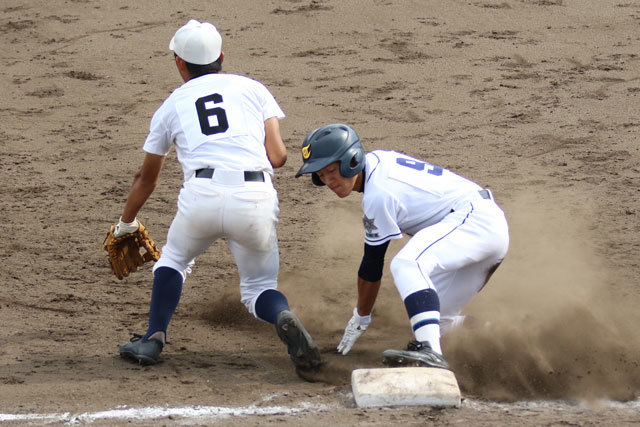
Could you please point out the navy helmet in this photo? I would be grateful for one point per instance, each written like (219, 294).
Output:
(328, 144)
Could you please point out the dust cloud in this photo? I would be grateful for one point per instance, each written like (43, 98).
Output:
(553, 330)
(548, 327)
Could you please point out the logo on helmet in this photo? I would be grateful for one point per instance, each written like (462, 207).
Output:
(306, 152)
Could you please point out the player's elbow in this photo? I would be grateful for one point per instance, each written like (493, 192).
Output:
(276, 150)
(148, 175)
(146, 180)
(277, 161)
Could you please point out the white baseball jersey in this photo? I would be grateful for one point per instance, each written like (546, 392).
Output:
(216, 121)
(460, 235)
(405, 195)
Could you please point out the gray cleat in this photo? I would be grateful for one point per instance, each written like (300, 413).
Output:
(144, 351)
(417, 354)
(302, 348)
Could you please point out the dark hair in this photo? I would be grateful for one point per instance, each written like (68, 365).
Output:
(197, 70)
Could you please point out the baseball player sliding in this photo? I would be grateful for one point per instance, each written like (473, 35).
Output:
(459, 236)
(226, 133)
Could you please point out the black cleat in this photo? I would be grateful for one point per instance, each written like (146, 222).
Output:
(146, 352)
(302, 348)
(417, 354)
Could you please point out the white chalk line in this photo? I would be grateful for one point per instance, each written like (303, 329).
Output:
(150, 413)
(209, 412)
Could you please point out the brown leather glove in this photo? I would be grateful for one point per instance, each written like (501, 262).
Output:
(124, 252)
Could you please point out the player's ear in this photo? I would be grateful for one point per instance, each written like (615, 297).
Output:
(221, 57)
(181, 64)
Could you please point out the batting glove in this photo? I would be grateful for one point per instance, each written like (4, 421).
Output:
(356, 327)
(123, 228)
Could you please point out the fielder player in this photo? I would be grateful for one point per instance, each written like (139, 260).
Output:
(459, 236)
(226, 134)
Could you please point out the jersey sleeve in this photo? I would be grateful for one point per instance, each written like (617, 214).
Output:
(270, 107)
(159, 138)
(380, 218)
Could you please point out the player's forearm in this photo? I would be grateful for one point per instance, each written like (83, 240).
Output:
(140, 192)
(144, 182)
(367, 294)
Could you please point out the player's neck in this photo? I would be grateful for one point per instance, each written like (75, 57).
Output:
(359, 184)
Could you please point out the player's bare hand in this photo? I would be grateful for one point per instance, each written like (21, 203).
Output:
(355, 328)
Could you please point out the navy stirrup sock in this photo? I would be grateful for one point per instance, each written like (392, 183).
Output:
(419, 304)
(167, 288)
(423, 308)
(269, 304)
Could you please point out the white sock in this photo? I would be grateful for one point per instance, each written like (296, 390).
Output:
(431, 334)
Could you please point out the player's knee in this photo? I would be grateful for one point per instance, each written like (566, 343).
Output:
(395, 265)
(400, 264)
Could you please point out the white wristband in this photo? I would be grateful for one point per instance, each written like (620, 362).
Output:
(123, 228)
(362, 320)
(131, 224)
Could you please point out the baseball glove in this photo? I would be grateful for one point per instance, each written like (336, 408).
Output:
(124, 252)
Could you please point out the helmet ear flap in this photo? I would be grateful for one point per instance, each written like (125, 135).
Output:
(352, 161)
(316, 179)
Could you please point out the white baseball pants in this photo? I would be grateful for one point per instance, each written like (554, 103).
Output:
(455, 256)
(245, 213)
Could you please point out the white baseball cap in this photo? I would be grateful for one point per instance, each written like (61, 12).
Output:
(197, 43)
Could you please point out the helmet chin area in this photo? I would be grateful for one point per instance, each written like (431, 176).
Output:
(316, 179)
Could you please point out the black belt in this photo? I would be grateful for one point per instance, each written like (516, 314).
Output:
(485, 194)
(248, 175)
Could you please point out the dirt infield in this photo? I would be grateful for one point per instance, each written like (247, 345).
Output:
(536, 99)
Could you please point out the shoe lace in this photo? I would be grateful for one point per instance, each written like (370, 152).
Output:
(417, 345)
(136, 337)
